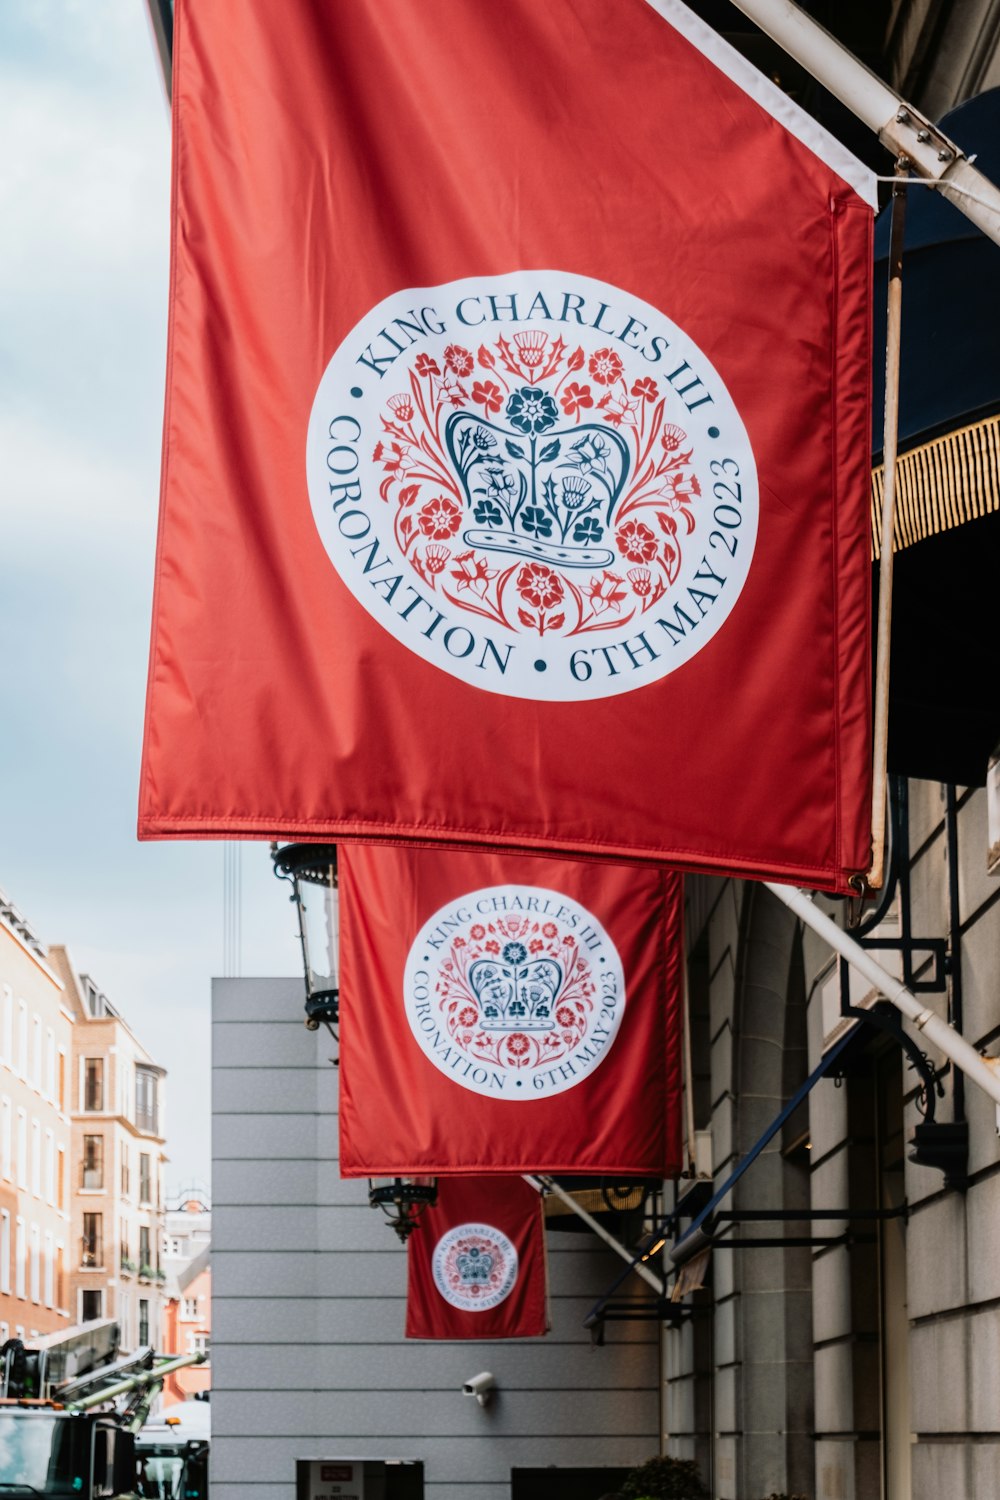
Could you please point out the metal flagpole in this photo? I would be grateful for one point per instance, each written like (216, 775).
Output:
(901, 128)
(890, 434)
(934, 1028)
(599, 1229)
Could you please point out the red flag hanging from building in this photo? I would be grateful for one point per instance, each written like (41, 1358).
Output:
(508, 1014)
(476, 1263)
(515, 483)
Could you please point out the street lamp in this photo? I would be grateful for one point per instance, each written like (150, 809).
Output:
(312, 871)
(402, 1200)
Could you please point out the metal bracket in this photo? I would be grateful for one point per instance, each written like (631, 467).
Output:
(910, 134)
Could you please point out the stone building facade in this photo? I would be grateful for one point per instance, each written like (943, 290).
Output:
(36, 1029)
(117, 1102)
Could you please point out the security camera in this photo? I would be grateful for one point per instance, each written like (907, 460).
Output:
(481, 1386)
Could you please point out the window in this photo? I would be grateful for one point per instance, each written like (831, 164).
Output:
(145, 1178)
(92, 1172)
(7, 1018)
(125, 1171)
(145, 1260)
(171, 1246)
(50, 1062)
(145, 1100)
(5, 1138)
(60, 1274)
(93, 1083)
(36, 1263)
(61, 1178)
(198, 1343)
(143, 1321)
(36, 1052)
(36, 1158)
(90, 1306)
(62, 1079)
(50, 1168)
(22, 1148)
(4, 1332)
(93, 1241)
(50, 1270)
(189, 1309)
(22, 1039)
(5, 1250)
(20, 1252)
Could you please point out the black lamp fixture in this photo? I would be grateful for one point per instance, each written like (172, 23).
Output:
(402, 1200)
(312, 871)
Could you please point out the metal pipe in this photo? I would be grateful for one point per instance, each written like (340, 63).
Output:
(936, 1030)
(900, 127)
(688, 1071)
(599, 1229)
(880, 747)
(135, 1382)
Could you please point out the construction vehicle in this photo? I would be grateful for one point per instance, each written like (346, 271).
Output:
(70, 1408)
(172, 1452)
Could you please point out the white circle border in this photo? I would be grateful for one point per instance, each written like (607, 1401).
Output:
(441, 1250)
(561, 679)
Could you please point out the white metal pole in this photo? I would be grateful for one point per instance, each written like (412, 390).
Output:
(599, 1230)
(900, 127)
(934, 1028)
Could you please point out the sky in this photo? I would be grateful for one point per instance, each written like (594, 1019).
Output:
(84, 232)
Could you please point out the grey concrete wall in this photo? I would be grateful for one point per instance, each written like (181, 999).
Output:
(309, 1294)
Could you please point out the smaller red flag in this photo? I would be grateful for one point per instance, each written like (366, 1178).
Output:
(477, 1267)
(508, 1013)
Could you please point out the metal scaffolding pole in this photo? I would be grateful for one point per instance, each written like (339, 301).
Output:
(900, 127)
(934, 1027)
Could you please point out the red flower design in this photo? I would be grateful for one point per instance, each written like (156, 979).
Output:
(458, 360)
(637, 542)
(575, 397)
(672, 438)
(605, 592)
(550, 930)
(493, 946)
(468, 1016)
(605, 366)
(401, 407)
(440, 518)
(427, 366)
(536, 945)
(485, 393)
(478, 931)
(641, 580)
(565, 1016)
(540, 586)
(435, 557)
(472, 573)
(645, 388)
(517, 1044)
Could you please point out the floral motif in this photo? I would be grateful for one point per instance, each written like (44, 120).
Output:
(671, 438)
(591, 453)
(645, 389)
(536, 522)
(575, 398)
(435, 557)
(473, 573)
(458, 360)
(531, 411)
(487, 513)
(486, 393)
(618, 409)
(641, 580)
(605, 592)
(575, 490)
(514, 953)
(540, 586)
(531, 347)
(424, 365)
(440, 518)
(605, 366)
(637, 542)
(401, 408)
(589, 529)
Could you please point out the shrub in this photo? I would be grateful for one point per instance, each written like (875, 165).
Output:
(665, 1479)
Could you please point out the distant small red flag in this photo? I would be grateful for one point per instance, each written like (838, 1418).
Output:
(501, 1013)
(476, 1263)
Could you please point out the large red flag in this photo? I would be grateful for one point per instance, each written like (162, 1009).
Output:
(508, 1014)
(515, 487)
(476, 1263)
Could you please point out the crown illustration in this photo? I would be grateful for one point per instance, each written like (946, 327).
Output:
(535, 489)
(515, 995)
(474, 1266)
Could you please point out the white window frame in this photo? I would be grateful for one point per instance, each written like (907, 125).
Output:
(36, 1053)
(5, 1287)
(50, 1064)
(36, 1157)
(50, 1269)
(50, 1168)
(7, 1138)
(20, 1252)
(36, 1264)
(7, 1025)
(190, 1309)
(22, 1040)
(22, 1147)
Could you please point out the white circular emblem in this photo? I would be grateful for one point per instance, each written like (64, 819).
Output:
(474, 1267)
(514, 992)
(537, 482)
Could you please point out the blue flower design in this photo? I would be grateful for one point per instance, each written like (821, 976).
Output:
(514, 953)
(536, 522)
(483, 439)
(588, 530)
(591, 453)
(531, 411)
(502, 486)
(488, 514)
